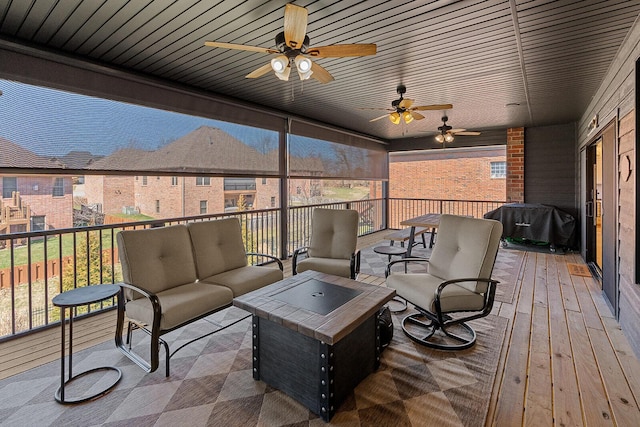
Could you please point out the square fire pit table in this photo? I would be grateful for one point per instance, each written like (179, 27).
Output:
(315, 336)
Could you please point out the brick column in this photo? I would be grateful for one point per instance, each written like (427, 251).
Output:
(515, 165)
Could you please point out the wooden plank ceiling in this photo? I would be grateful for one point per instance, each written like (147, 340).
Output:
(501, 63)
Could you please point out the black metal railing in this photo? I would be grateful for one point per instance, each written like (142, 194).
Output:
(36, 266)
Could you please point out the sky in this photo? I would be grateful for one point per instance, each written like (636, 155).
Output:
(53, 122)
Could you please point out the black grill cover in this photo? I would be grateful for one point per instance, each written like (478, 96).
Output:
(542, 223)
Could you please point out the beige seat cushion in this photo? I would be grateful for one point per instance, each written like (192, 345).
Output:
(181, 304)
(245, 279)
(218, 246)
(156, 259)
(421, 289)
(334, 233)
(337, 267)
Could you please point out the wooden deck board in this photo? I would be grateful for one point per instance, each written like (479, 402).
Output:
(566, 399)
(564, 361)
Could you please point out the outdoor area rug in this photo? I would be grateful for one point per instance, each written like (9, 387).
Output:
(505, 270)
(211, 385)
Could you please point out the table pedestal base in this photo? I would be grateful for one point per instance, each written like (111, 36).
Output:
(60, 397)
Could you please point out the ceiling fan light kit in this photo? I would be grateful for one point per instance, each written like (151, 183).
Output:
(447, 133)
(292, 44)
(402, 109)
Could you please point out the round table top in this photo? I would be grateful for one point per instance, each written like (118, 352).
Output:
(390, 250)
(85, 295)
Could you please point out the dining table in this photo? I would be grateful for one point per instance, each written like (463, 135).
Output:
(430, 221)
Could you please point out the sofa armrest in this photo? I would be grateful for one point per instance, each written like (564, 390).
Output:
(294, 262)
(154, 330)
(276, 259)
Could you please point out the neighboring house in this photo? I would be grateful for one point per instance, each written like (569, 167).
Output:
(33, 202)
(475, 173)
(207, 150)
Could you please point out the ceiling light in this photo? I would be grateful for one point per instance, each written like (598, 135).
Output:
(279, 63)
(304, 67)
(395, 118)
(448, 137)
(407, 116)
(440, 138)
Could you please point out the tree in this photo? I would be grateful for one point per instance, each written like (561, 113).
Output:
(91, 266)
(247, 238)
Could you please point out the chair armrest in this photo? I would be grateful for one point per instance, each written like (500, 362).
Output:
(154, 332)
(294, 262)
(276, 259)
(387, 272)
(488, 300)
(355, 264)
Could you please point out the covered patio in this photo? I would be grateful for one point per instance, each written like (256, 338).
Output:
(563, 360)
(555, 82)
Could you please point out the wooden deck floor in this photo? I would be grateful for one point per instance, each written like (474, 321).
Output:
(564, 361)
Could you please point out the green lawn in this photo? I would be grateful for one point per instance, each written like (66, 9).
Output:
(21, 253)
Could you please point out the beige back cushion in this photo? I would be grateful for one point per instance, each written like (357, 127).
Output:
(217, 245)
(466, 247)
(156, 259)
(334, 233)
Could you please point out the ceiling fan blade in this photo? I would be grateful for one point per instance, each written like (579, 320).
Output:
(320, 74)
(240, 47)
(342, 50)
(456, 130)
(260, 71)
(433, 107)
(416, 116)
(405, 103)
(468, 133)
(376, 109)
(378, 118)
(295, 25)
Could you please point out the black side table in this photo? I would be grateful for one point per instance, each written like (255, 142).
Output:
(70, 299)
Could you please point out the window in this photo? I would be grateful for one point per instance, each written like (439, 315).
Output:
(203, 207)
(498, 169)
(144, 180)
(157, 206)
(264, 181)
(174, 180)
(37, 223)
(203, 180)
(58, 187)
(9, 185)
(236, 184)
(273, 201)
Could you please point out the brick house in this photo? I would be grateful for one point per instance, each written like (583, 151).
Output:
(33, 202)
(207, 150)
(475, 173)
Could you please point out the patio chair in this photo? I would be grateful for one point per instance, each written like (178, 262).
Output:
(332, 248)
(457, 286)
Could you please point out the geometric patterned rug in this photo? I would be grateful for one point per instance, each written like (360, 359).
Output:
(505, 270)
(211, 385)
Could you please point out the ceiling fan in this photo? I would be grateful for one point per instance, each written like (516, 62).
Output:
(293, 44)
(402, 109)
(447, 133)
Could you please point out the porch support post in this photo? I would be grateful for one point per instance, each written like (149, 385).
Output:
(515, 165)
(284, 190)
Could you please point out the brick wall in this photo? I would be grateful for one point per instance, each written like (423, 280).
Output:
(515, 165)
(447, 174)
